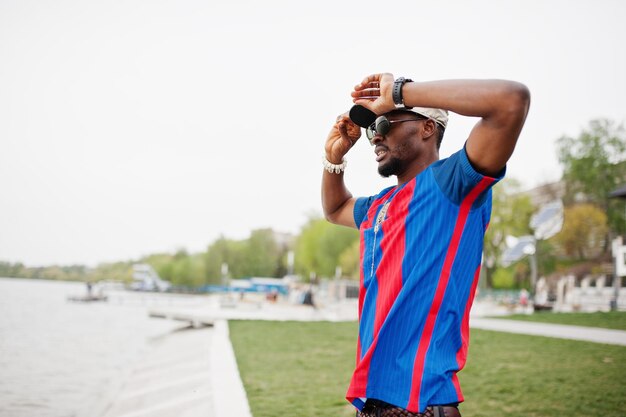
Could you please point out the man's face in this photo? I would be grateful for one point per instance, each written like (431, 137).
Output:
(401, 146)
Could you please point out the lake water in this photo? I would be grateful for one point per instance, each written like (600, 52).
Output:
(64, 359)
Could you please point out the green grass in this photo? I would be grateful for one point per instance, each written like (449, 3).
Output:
(298, 369)
(609, 320)
(295, 369)
(518, 375)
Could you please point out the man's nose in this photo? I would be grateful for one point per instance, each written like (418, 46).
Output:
(377, 138)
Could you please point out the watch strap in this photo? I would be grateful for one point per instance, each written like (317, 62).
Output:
(396, 92)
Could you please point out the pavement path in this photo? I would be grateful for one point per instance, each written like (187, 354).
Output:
(587, 334)
(228, 391)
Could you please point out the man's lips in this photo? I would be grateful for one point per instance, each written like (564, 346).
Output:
(380, 152)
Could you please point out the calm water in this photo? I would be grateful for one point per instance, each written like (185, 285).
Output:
(63, 359)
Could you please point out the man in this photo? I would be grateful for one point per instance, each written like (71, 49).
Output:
(421, 240)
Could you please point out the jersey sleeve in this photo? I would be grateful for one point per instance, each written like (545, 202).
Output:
(457, 177)
(362, 206)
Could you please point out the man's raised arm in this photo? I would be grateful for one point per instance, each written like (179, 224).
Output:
(337, 201)
(501, 105)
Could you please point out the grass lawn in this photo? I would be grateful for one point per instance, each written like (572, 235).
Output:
(609, 320)
(296, 369)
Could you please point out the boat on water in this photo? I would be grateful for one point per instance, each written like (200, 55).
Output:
(145, 278)
(90, 296)
(87, 298)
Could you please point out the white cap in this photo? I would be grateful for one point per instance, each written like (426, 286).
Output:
(438, 115)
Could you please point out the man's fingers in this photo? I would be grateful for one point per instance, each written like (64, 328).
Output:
(343, 127)
(368, 86)
(366, 94)
(343, 118)
(374, 81)
(368, 81)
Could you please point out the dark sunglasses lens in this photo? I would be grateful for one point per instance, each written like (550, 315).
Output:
(383, 125)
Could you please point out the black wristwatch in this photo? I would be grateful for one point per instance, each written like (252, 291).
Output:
(396, 93)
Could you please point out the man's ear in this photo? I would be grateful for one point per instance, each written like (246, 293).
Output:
(430, 129)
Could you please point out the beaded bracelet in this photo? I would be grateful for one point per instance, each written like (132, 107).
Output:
(334, 168)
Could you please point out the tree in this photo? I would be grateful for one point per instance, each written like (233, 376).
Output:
(119, 271)
(350, 260)
(219, 252)
(320, 245)
(16, 270)
(594, 164)
(261, 255)
(188, 270)
(584, 228)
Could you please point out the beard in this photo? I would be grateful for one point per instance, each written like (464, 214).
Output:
(390, 168)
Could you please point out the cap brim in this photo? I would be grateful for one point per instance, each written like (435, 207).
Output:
(362, 116)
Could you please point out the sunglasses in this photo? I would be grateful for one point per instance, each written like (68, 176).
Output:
(382, 126)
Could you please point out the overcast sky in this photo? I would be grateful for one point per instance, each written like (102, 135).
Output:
(139, 126)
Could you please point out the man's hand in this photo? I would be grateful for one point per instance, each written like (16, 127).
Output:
(341, 138)
(374, 93)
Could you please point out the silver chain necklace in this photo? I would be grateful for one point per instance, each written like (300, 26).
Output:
(379, 220)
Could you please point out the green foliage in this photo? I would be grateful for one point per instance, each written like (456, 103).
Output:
(117, 271)
(350, 260)
(189, 270)
(53, 272)
(594, 164)
(503, 278)
(259, 255)
(13, 270)
(516, 276)
(511, 212)
(584, 230)
(219, 252)
(320, 245)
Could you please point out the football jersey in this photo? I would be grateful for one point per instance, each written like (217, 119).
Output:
(421, 246)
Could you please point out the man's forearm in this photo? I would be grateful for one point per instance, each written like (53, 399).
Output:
(474, 98)
(335, 195)
(337, 201)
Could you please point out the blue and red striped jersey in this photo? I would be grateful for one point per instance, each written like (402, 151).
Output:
(421, 246)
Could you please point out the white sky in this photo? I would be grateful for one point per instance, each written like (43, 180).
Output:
(133, 127)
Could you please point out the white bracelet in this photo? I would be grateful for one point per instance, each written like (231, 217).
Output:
(334, 168)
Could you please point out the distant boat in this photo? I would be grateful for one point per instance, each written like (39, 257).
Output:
(145, 278)
(87, 298)
(91, 295)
